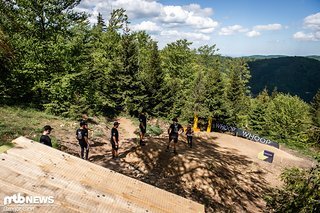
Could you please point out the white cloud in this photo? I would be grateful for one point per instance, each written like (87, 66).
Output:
(311, 22)
(268, 27)
(184, 35)
(134, 8)
(307, 36)
(191, 21)
(147, 26)
(197, 10)
(173, 15)
(253, 33)
(202, 22)
(207, 31)
(230, 30)
(191, 15)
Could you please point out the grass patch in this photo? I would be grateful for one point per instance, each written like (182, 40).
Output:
(154, 130)
(5, 147)
(98, 133)
(302, 149)
(17, 122)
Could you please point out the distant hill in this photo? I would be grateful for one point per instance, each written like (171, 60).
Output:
(317, 57)
(294, 75)
(259, 57)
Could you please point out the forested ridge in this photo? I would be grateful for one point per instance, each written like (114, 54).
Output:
(294, 75)
(52, 59)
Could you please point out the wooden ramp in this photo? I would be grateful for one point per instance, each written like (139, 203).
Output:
(33, 169)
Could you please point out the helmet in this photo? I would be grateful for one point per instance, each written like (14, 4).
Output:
(82, 123)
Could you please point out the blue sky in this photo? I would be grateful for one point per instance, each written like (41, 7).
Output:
(237, 27)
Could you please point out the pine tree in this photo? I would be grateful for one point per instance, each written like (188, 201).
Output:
(155, 82)
(237, 92)
(257, 115)
(100, 23)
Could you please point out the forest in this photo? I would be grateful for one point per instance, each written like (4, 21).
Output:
(53, 60)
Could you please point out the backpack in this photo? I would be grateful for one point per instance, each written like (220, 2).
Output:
(175, 129)
(79, 134)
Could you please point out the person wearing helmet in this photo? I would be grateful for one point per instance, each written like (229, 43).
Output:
(82, 136)
(174, 130)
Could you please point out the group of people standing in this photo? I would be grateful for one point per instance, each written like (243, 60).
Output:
(174, 130)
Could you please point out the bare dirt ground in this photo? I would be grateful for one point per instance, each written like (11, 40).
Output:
(220, 171)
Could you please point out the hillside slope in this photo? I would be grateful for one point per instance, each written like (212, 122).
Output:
(295, 75)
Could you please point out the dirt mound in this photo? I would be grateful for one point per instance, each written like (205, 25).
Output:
(220, 171)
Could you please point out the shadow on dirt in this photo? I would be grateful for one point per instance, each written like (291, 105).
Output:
(223, 181)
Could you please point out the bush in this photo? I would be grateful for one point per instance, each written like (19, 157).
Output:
(154, 130)
(301, 192)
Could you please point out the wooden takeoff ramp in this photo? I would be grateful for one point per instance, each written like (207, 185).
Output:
(33, 169)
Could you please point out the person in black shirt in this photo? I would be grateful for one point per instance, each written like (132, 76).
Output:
(143, 127)
(174, 130)
(45, 139)
(82, 136)
(189, 133)
(115, 139)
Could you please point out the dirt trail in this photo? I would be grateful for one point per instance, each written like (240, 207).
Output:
(221, 171)
(128, 127)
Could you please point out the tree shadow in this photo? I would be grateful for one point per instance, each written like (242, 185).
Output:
(96, 144)
(221, 180)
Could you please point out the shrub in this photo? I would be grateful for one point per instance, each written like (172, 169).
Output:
(301, 192)
(154, 130)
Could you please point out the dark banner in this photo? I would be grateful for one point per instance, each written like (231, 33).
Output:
(245, 134)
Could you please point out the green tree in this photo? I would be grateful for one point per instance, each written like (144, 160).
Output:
(238, 91)
(38, 31)
(150, 73)
(177, 63)
(195, 97)
(258, 112)
(118, 20)
(6, 58)
(100, 22)
(288, 120)
(206, 96)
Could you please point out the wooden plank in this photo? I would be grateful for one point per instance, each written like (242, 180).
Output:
(79, 185)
